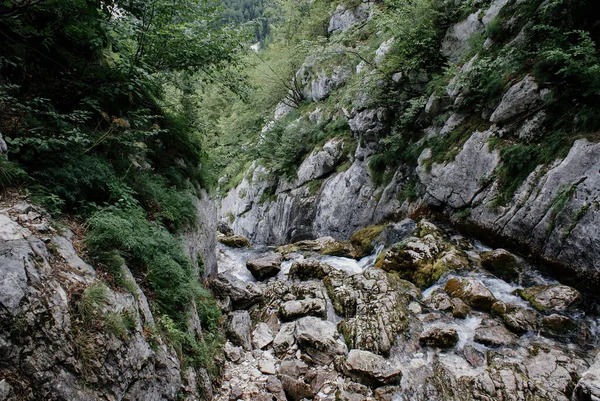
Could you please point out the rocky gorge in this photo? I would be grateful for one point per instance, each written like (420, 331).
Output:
(415, 220)
(473, 323)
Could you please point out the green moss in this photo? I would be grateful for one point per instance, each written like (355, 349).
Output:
(363, 239)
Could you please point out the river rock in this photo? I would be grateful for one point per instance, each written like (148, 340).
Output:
(262, 336)
(588, 387)
(293, 368)
(494, 335)
(460, 309)
(309, 270)
(238, 329)
(265, 266)
(441, 337)
(234, 241)
(472, 291)
(501, 263)
(292, 310)
(374, 305)
(551, 298)
(371, 369)
(516, 318)
(224, 229)
(557, 325)
(318, 338)
(242, 294)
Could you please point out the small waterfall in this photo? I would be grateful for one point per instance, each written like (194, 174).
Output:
(369, 261)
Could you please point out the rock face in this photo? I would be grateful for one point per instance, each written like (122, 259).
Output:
(520, 98)
(343, 17)
(553, 298)
(200, 242)
(48, 351)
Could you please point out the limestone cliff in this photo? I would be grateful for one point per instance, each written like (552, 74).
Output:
(461, 167)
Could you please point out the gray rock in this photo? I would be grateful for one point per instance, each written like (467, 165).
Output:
(242, 294)
(517, 319)
(382, 50)
(557, 326)
(3, 147)
(472, 291)
(265, 266)
(296, 389)
(343, 18)
(199, 241)
(319, 339)
(551, 298)
(233, 353)
(588, 387)
(532, 128)
(459, 182)
(292, 310)
(238, 329)
(262, 336)
(5, 388)
(441, 337)
(456, 42)
(371, 369)
(285, 338)
(519, 99)
(494, 335)
(267, 367)
(293, 368)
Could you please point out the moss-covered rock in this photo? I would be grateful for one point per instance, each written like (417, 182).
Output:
(501, 263)
(235, 241)
(336, 248)
(551, 298)
(423, 260)
(309, 270)
(364, 240)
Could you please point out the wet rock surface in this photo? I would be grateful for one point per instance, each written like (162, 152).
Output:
(335, 328)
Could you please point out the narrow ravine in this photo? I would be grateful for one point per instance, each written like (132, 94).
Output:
(303, 325)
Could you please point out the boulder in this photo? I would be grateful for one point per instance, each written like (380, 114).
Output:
(441, 337)
(293, 368)
(371, 369)
(472, 291)
(285, 338)
(516, 318)
(460, 309)
(519, 99)
(224, 229)
(501, 263)
(319, 339)
(234, 241)
(262, 336)
(292, 310)
(343, 17)
(242, 294)
(309, 270)
(557, 325)
(494, 335)
(456, 42)
(238, 329)
(296, 389)
(551, 298)
(588, 387)
(265, 266)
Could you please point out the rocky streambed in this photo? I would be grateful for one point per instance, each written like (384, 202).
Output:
(406, 311)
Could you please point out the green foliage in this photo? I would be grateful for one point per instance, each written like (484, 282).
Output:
(149, 247)
(93, 299)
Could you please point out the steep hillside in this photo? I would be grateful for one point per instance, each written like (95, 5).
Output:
(483, 111)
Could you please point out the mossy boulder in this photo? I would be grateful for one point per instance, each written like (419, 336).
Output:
(309, 270)
(336, 248)
(234, 241)
(551, 298)
(364, 239)
(501, 263)
(557, 326)
(422, 261)
(471, 291)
